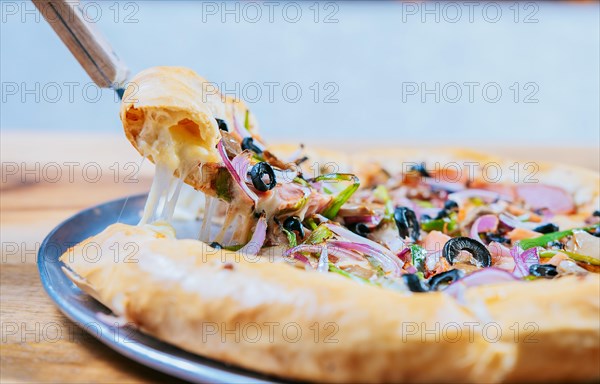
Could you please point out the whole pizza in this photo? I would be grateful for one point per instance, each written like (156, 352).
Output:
(382, 266)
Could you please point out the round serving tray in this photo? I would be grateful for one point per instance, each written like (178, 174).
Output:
(95, 318)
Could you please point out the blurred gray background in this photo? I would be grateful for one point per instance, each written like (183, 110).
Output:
(461, 73)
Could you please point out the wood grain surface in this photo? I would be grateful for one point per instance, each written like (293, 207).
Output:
(45, 179)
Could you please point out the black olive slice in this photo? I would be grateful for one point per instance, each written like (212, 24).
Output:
(292, 224)
(222, 125)
(454, 246)
(497, 238)
(451, 205)
(445, 278)
(546, 228)
(543, 270)
(407, 223)
(258, 172)
(360, 229)
(421, 168)
(215, 245)
(248, 143)
(413, 283)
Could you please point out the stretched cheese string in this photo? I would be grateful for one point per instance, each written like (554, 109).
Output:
(159, 189)
(170, 202)
(231, 214)
(210, 204)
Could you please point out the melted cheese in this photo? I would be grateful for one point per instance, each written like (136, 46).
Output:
(159, 190)
(210, 204)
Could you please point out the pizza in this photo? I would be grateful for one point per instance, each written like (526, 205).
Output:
(385, 266)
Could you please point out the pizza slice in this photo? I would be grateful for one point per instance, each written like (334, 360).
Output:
(425, 270)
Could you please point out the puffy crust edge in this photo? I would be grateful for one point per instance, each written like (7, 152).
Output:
(177, 287)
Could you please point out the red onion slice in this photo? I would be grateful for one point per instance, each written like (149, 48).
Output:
(332, 250)
(483, 276)
(239, 179)
(484, 223)
(395, 263)
(404, 255)
(300, 257)
(323, 266)
(389, 264)
(512, 222)
(524, 260)
(347, 249)
(253, 247)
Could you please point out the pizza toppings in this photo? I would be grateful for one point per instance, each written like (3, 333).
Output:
(414, 283)
(454, 248)
(248, 144)
(257, 241)
(546, 228)
(407, 223)
(543, 270)
(222, 125)
(524, 260)
(359, 228)
(425, 229)
(447, 277)
(293, 224)
(263, 177)
(238, 175)
(484, 224)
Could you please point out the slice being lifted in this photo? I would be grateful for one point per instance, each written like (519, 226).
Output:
(402, 279)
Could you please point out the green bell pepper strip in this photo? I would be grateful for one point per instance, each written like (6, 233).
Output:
(334, 269)
(382, 194)
(424, 204)
(247, 120)
(291, 236)
(334, 206)
(301, 181)
(572, 255)
(447, 223)
(543, 240)
(223, 185)
(310, 223)
(418, 254)
(318, 235)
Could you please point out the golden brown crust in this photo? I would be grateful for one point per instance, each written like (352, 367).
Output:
(215, 303)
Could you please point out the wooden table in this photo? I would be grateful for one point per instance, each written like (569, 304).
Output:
(47, 178)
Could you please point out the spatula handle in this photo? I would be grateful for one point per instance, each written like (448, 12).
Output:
(85, 42)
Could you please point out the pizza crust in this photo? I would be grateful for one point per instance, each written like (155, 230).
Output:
(190, 295)
(214, 303)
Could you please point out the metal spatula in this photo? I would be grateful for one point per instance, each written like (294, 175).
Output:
(85, 42)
